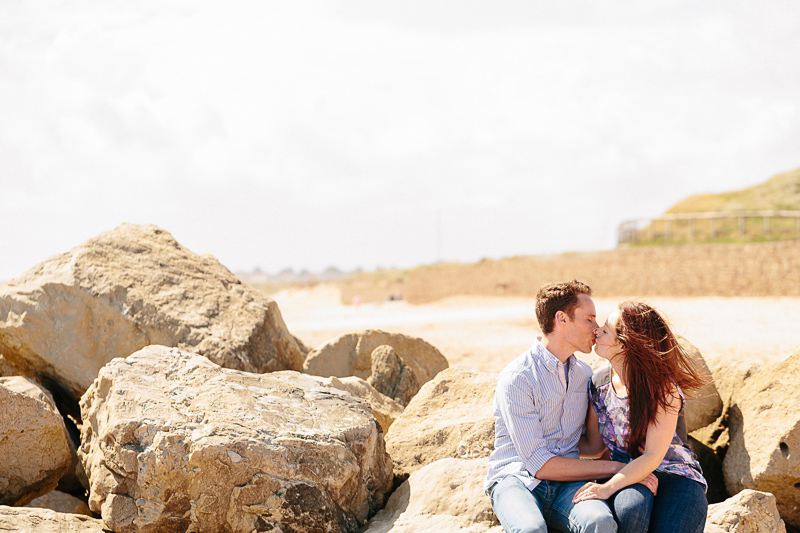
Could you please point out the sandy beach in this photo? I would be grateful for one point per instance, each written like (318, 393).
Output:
(483, 334)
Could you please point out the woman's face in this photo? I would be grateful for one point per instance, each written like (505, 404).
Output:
(607, 345)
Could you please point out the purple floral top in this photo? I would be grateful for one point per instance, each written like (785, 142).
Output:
(612, 414)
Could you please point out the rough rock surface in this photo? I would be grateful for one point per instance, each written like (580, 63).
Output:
(391, 376)
(5, 367)
(351, 355)
(445, 496)
(750, 511)
(32, 433)
(385, 409)
(451, 416)
(61, 502)
(128, 288)
(705, 405)
(731, 374)
(171, 441)
(32, 520)
(764, 451)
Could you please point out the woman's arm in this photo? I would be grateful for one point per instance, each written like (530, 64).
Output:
(657, 441)
(591, 444)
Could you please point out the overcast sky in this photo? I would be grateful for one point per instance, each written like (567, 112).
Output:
(364, 134)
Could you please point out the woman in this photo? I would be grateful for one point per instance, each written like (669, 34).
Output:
(635, 412)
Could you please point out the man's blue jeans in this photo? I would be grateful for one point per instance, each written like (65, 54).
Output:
(550, 503)
(680, 505)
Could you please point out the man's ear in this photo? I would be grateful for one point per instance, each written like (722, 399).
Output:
(561, 317)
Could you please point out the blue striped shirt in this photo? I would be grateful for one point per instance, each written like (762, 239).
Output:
(539, 413)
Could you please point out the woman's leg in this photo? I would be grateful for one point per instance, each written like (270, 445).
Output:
(632, 508)
(680, 505)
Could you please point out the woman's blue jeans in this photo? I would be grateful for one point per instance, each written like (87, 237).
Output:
(550, 503)
(680, 505)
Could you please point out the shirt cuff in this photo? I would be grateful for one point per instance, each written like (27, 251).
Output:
(537, 460)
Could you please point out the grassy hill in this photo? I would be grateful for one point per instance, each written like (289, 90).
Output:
(735, 216)
(781, 192)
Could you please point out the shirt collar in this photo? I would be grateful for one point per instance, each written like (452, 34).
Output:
(551, 362)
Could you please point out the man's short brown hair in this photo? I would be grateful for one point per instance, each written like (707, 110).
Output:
(555, 297)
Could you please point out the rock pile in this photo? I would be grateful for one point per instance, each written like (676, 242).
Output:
(764, 422)
(194, 416)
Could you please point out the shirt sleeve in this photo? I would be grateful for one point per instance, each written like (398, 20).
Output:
(521, 417)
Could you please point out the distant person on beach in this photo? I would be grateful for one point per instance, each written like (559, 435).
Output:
(635, 407)
(540, 408)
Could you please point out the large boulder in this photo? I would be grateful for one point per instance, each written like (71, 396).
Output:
(172, 441)
(750, 511)
(451, 416)
(352, 355)
(32, 520)
(705, 405)
(33, 442)
(445, 496)
(128, 288)
(764, 423)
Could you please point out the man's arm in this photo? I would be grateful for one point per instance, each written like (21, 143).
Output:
(566, 469)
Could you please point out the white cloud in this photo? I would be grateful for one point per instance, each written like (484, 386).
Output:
(309, 134)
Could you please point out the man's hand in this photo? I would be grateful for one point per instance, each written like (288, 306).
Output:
(651, 482)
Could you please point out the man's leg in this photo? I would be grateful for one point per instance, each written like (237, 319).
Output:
(589, 516)
(680, 505)
(516, 507)
(632, 506)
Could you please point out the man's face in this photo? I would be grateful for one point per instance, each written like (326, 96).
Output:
(579, 331)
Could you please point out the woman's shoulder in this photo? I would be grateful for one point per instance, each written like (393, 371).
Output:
(601, 377)
(600, 383)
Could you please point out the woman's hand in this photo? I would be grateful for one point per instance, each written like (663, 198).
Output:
(592, 491)
(601, 491)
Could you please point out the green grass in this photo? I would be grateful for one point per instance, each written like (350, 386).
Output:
(782, 192)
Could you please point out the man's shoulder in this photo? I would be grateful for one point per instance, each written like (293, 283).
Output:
(522, 367)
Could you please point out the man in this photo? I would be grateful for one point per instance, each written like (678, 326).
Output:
(540, 408)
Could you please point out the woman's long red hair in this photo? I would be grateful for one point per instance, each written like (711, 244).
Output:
(654, 363)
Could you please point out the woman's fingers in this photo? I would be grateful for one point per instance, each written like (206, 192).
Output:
(586, 492)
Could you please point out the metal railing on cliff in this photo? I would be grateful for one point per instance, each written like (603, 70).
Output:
(711, 226)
